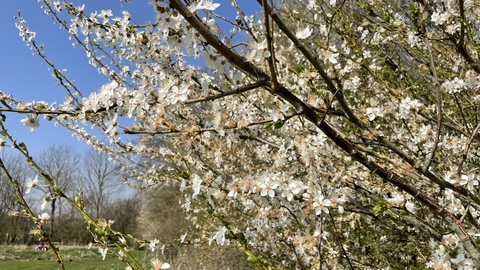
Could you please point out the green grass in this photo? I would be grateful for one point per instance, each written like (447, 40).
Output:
(24, 257)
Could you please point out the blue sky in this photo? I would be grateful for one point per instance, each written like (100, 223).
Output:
(23, 75)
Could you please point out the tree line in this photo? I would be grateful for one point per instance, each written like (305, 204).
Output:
(91, 172)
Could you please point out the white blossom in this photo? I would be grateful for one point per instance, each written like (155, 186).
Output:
(469, 180)
(31, 122)
(304, 33)
(373, 113)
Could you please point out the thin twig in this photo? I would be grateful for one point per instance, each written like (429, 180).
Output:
(269, 37)
(467, 147)
(258, 139)
(229, 93)
(436, 86)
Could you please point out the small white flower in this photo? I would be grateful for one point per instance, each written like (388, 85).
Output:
(182, 239)
(196, 185)
(206, 5)
(373, 113)
(321, 204)
(220, 235)
(103, 252)
(177, 95)
(31, 184)
(122, 240)
(439, 18)
(153, 244)
(44, 218)
(408, 107)
(410, 206)
(305, 33)
(413, 39)
(46, 200)
(165, 266)
(454, 86)
(105, 14)
(57, 6)
(31, 122)
(469, 180)
(332, 57)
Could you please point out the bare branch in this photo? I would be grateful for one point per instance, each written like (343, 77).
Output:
(438, 92)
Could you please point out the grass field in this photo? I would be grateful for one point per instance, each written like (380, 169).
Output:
(25, 257)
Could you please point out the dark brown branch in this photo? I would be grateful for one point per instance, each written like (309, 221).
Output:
(229, 93)
(271, 50)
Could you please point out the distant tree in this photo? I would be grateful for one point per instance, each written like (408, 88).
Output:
(163, 218)
(124, 211)
(71, 228)
(63, 164)
(13, 227)
(101, 179)
(161, 215)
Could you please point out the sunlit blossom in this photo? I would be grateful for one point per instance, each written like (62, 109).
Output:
(220, 235)
(105, 14)
(373, 113)
(103, 252)
(153, 244)
(304, 33)
(45, 200)
(32, 122)
(122, 240)
(31, 184)
(462, 262)
(206, 5)
(196, 185)
(44, 218)
(158, 265)
(469, 180)
(321, 204)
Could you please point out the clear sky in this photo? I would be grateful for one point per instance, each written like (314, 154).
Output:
(26, 78)
(23, 75)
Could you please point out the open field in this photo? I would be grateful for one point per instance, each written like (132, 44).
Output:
(25, 257)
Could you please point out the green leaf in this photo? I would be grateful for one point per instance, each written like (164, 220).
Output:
(183, 174)
(380, 208)
(241, 237)
(268, 125)
(414, 9)
(298, 68)
(276, 125)
(279, 124)
(16, 198)
(217, 214)
(56, 189)
(253, 260)
(23, 146)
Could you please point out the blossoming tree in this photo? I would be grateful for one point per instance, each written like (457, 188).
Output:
(316, 134)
